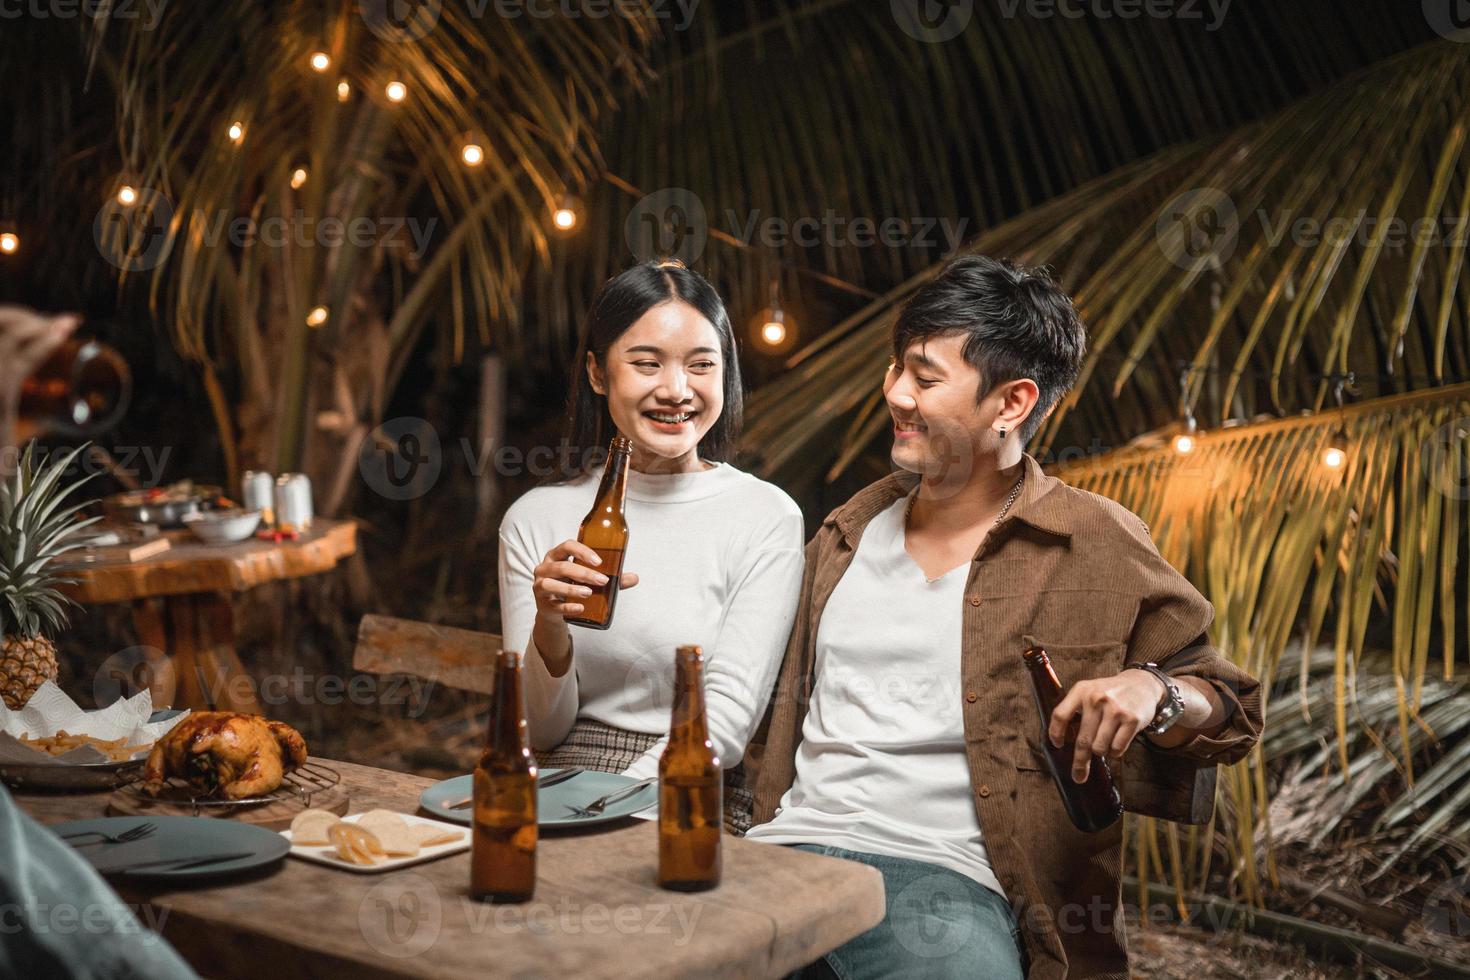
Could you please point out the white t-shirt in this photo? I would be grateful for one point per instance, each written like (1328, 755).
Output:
(718, 554)
(881, 767)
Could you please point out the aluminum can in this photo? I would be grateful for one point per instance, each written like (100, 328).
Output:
(258, 492)
(293, 503)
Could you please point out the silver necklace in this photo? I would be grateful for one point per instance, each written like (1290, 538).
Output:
(1005, 508)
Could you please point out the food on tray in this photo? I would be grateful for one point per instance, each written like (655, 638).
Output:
(355, 845)
(429, 836)
(377, 835)
(63, 742)
(311, 826)
(224, 754)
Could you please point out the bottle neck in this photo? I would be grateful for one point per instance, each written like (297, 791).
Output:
(1044, 680)
(689, 720)
(614, 486)
(508, 729)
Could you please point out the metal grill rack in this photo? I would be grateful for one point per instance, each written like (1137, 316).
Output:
(298, 785)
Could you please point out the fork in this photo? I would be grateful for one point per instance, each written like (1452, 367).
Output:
(542, 783)
(595, 808)
(139, 832)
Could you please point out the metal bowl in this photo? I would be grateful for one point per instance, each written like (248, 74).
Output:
(61, 775)
(219, 527)
(78, 776)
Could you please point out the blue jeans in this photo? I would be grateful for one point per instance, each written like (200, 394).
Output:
(937, 924)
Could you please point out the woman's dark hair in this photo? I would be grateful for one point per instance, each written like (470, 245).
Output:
(619, 304)
(1017, 323)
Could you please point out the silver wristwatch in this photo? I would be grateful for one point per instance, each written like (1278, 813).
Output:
(1171, 705)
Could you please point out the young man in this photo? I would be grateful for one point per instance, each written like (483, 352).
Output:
(918, 748)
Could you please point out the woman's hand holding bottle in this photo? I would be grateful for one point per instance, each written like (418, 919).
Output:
(567, 575)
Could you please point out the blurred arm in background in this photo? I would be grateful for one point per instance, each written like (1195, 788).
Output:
(26, 339)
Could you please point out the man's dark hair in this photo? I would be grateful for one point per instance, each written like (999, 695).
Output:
(1017, 323)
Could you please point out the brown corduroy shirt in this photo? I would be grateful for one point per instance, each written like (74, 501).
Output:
(1078, 574)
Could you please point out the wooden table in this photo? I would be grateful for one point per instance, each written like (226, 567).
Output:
(598, 911)
(181, 607)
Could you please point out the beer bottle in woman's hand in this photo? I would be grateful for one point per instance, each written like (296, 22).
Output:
(605, 531)
(1094, 803)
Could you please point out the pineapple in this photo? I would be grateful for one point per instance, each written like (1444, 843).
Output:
(34, 529)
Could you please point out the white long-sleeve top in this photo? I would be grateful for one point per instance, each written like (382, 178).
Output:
(718, 554)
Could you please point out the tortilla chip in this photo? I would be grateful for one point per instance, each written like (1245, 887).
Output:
(311, 826)
(398, 841)
(378, 820)
(355, 844)
(430, 835)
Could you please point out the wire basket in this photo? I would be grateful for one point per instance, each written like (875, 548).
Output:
(299, 785)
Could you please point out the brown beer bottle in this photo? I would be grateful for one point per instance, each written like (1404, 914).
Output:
(1093, 804)
(605, 531)
(503, 857)
(691, 787)
(81, 388)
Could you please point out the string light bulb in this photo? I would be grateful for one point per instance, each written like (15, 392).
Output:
(773, 329)
(237, 131)
(9, 242)
(317, 316)
(567, 214)
(127, 195)
(1185, 441)
(298, 178)
(344, 90)
(473, 154)
(320, 61)
(396, 91)
(1334, 454)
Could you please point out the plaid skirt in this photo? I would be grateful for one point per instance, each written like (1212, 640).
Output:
(593, 745)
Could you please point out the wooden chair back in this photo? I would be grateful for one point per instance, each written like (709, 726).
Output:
(457, 658)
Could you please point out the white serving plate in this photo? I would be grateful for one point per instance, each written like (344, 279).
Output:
(327, 854)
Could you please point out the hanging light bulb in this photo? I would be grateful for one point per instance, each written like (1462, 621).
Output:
(317, 316)
(127, 195)
(344, 90)
(773, 329)
(567, 214)
(396, 91)
(320, 61)
(473, 154)
(237, 131)
(1335, 455)
(1184, 442)
(9, 242)
(298, 178)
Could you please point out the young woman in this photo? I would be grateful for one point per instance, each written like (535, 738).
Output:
(714, 555)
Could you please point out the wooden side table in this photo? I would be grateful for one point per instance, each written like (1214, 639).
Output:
(181, 606)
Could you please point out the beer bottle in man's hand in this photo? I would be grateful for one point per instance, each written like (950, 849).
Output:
(82, 388)
(691, 786)
(605, 531)
(503, 859)
(1093, 804)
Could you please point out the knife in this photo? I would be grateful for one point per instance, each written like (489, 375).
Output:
(174, 863)
(541, 783)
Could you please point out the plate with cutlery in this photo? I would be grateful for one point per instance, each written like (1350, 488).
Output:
(172, 848)
(564, 797)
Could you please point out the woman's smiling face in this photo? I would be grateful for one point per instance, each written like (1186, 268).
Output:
(664, 384)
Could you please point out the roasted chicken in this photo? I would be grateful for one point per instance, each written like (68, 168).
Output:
(226, 755)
